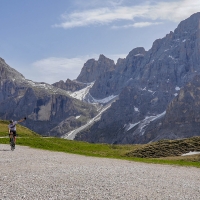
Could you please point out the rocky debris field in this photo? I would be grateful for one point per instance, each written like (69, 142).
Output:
(29, 174)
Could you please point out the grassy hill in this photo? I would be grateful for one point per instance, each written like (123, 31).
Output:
(21, 130)
(163, 152)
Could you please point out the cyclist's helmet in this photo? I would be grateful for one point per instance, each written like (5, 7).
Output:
(11, 121)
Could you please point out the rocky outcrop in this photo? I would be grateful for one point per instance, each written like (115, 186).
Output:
(92, 69)
(69, 85)
(44, 105)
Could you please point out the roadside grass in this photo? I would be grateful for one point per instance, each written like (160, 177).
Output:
(126, 152)
(98, 150)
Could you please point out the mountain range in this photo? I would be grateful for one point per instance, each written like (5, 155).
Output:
(147, 96)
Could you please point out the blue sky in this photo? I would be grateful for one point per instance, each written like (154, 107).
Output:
(49, 40)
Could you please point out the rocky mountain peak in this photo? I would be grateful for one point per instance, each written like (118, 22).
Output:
(189, 25)
(139, 51)
(102, 57)
(92, 69)
(8, 72)
(120, 61)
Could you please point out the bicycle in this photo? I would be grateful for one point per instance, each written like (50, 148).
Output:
(12, 142)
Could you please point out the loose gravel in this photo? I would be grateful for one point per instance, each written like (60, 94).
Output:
(33, 174)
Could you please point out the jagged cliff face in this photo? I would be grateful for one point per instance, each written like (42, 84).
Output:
(92, 69)
(154, 79)
(182, 117)
(172, 61)
(44, 105)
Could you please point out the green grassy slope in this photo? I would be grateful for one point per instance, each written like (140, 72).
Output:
(21, 130)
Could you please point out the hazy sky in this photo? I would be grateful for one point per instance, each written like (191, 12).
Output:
(49, 40)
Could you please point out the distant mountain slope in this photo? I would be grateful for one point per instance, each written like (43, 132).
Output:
(44, 105)
(154, 94)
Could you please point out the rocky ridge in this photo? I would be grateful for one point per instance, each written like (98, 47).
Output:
(69, 85)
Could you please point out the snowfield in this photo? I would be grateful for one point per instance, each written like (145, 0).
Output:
(84, 95)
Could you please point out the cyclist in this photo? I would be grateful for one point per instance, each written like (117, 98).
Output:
(12, 128)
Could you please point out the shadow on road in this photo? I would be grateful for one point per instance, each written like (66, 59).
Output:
(4, 149)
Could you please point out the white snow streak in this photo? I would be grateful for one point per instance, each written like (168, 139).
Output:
(72, 134)
(136, 109)
(191, 153)
(139, 54)
(105, 100)
(171, 57)
(177, 88)
(143, 123)
(132, 125)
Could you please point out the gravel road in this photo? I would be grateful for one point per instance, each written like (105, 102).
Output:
(33, 174)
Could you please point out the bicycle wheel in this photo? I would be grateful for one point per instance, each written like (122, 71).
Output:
(12, 144)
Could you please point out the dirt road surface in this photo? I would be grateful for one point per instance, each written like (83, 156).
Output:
(33, 174)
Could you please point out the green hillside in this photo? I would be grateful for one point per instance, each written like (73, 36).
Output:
(21, 130)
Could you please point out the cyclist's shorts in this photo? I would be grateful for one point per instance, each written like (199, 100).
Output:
(14, 133)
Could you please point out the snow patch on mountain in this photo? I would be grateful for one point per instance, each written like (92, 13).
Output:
(136, 109)
(143, 123)
(102, 101)
(177, 88)
(139, 54)
(130, 126)
(81, 94)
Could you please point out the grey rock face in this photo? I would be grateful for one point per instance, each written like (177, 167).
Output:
(182, 117)
(44, 105)
(69, 85)
(154, 78)
(92, 69)
(112, 82)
